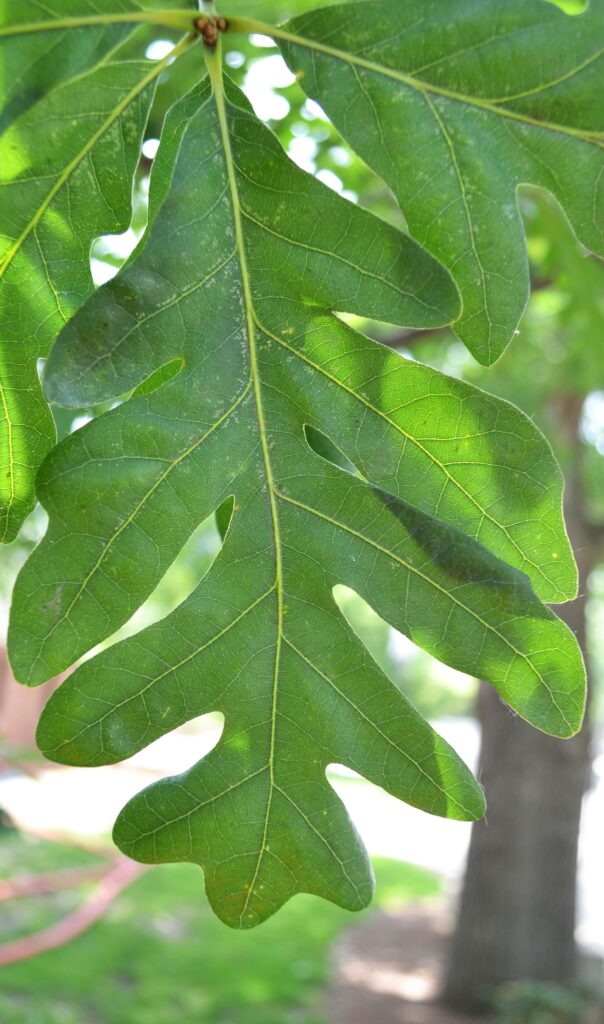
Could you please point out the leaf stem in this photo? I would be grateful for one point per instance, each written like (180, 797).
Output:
(182, 19)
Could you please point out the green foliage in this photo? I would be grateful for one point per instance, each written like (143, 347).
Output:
(231, 385)
(455, 114)
(159, 956)
(435, 690)
(558, 354)
(555, 373)
(539, 1003)
(66, 169)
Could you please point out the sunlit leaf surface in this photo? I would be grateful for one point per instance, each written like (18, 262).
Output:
(455, 105)
(237, 386)
(72, 123)
(233, 287)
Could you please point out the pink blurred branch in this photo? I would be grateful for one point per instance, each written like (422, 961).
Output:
(53, 881)
(119, 876)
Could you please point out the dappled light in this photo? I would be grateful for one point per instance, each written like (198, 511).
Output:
(302, 503)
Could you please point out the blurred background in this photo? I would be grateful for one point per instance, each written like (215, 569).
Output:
(503, 922)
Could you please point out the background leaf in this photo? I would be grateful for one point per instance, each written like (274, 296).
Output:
(455, 106)
(72, 124)
(43, 44)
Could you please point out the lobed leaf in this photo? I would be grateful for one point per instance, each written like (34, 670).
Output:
(66, 168)
(455, 106)
(40, 48)
(234, 286)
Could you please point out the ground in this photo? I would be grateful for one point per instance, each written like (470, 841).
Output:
(159, 955)
(389, 970)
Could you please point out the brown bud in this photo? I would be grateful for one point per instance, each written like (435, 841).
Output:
(201, 24)
(222, 24)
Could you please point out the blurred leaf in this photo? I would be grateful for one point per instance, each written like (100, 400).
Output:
(540, 1003)
(271, 10)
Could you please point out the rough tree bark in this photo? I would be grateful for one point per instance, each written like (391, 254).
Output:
(516, 918)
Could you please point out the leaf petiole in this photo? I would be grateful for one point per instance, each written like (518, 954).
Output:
(183, 19)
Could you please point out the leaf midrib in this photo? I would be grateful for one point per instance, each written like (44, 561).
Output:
(214, 63)
(247, 25)
(153, 682)
(182, 19)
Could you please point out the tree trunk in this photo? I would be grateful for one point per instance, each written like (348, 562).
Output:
(516, 919)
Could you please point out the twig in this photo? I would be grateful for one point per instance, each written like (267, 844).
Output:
(53, 881)
(94, 845)
(409, 338)
(406, 339)
(122, 873)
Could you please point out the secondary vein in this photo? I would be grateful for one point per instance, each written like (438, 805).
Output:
(413, 440)
(88, 147)
(432, 583)
(251, 25)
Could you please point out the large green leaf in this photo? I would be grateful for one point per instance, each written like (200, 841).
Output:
(244, 260)
(45, 43)
(66, 169)
(455, 105)
(31, 65)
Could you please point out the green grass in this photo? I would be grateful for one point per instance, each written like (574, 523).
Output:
(161, 957)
